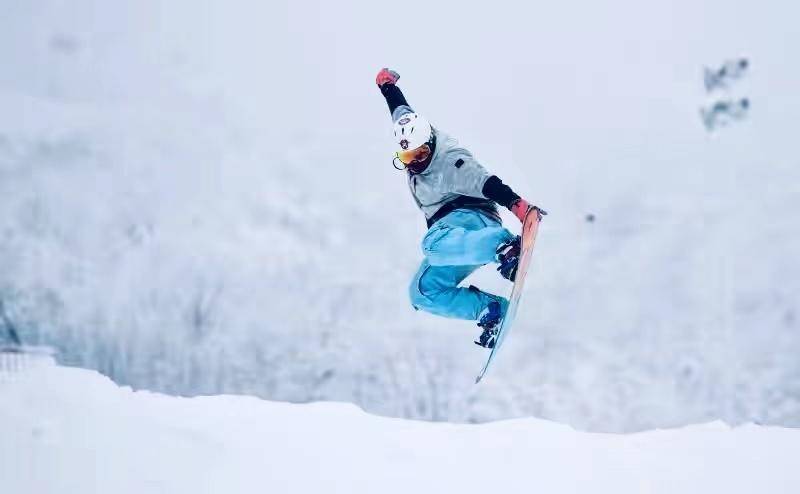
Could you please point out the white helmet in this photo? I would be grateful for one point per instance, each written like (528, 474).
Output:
(412, 131)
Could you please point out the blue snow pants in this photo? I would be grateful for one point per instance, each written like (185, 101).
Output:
(454, 247)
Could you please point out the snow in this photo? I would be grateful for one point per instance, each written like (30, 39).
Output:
(196, 197)
(68, 430)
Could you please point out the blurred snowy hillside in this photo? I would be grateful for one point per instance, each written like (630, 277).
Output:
(198, 198)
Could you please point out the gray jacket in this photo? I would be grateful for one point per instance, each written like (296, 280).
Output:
(452, 174)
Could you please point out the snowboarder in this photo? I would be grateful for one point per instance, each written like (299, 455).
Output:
(722, 77)
(724, 112)
(459, 200)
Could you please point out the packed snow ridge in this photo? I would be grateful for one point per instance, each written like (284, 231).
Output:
(70, 430)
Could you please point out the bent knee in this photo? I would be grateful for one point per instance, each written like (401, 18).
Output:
(416, 297)
(423, 297)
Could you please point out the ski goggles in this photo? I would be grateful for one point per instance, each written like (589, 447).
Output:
(416, 155)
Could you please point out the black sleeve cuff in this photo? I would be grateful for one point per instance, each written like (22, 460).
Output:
(394, 97)
(497, 191)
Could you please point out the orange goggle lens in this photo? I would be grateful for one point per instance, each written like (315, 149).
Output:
(415, 155)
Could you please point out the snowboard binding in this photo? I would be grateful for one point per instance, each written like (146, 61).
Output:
(490, 322)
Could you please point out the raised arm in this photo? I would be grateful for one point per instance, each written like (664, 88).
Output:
(386, 81)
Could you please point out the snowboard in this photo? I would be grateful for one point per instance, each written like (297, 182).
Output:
(529, 228)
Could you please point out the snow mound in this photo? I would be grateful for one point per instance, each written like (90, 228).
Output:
(69, 430)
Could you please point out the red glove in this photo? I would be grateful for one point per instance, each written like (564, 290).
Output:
(521, 207)
(386, 76)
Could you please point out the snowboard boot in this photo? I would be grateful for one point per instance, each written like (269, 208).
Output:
(489, 319)
(507, 254)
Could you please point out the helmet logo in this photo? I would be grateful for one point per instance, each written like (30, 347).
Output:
(404, 120)
(404, 144)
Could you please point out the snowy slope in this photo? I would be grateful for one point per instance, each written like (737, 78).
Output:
(196, 197)
(74, 431)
